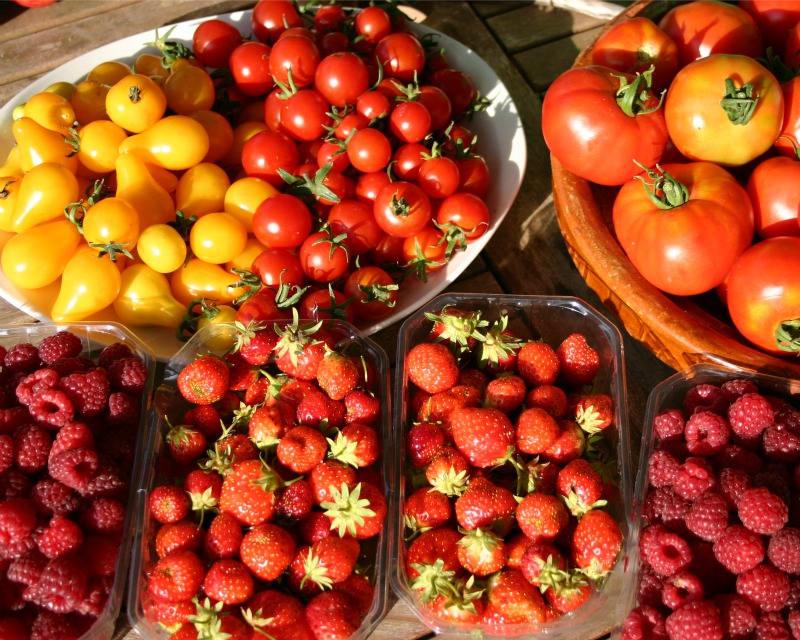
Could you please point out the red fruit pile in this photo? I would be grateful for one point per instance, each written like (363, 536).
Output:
(68, 431)
(269, 523)
(720, 543)
(508, 470)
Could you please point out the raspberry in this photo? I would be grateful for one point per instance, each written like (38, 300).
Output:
(780, 444)
(63, 344)
(737, 457)
(71, 436)
(764, 587)
(68, 366)
(750, 414)
(17, 522)
(738, 617)
(34, 383)
(793, 619)
(705, 397)
(648, 591)
(31, 448)
(668, 425)
(661, 468)
(706, 433)
(772, 626)
(13, 417)
(95, 598)
(23, 357)
(682, 588)
(107, 482)
(733, 389)
(62, 584)
(100, 554)
(87, 391)
(665, 506)
(112, 352)
(708, 516)
(61, 536)
(52, 408)
(715, 577)
(694, 477)
(762, 511)
(783, 550)
(732, 483)
(104, 515)
(14, 484)
(775, 477)
(666, 552)
(6, 452)
(695, 621)
(124, 411)
(28, 569)
(74, 467)
(644, 622)
(50, 497)
(128, 375)
(48, 625)
(739, 549)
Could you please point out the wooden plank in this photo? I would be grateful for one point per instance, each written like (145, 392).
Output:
(489, 8)
(542, 65)
(533, 25)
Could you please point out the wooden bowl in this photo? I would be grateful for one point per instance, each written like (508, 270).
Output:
(679, 331)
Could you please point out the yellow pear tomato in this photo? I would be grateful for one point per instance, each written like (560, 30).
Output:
(89, 101)
(201, 190)
(200, 279)
(244, 260)
(11, 167)
(36, 257)
(43, 193)
(174, 142)
(136, 185)
(51, 110)
(89, 283)
(38, 144)
(217, 237)
(135, 103)
(9, 188)
(99, 145)
(162, 248)
(145, 299)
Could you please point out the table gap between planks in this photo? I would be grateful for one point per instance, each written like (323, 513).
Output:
(527, 44)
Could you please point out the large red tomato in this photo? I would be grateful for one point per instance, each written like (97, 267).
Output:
(789, 139)
(705, 27)
(683, 228)
(763, 294)
(724, 108)
(772, 187)
(775, 18)
(598, 134)
(633, 45)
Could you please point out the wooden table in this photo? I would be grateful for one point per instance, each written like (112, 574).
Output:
(528, 45)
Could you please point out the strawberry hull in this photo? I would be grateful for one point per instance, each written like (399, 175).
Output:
(94, 337)
(170, 406)
(551, 320)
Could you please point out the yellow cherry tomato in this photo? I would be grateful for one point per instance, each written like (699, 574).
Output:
(225, 314)
(9, 188)
(220, 134)
(243, 197)
(189, 89)
(43, 193)
(200, 279)
(51, 110)
(136, 185)
(201, 190)
(11, 167)
(145, 299)
(241, 134)
(37, 257)
(109, 72)
(149, 64)
(136, 103)
(161, 247)
(99, 145)
(217, 237)
(180, 63)
(245, 259)
(38, 144)
(111, 226)
(175, 142)
(89, 101)
(89, 283)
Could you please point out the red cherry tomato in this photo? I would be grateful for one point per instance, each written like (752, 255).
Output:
(407, 159)
(266, 152)
(270, 18)
(341, 78)
(458, 87)
(323, 258)
(282, 221)
(374, 290)
(369, 150)
(465, 211)
(357, 220)
(410, 121)
(297, 54)
(327, 303)
(304, 115)
(373, 24)
(278, 266)
(402, 209)
(249, 63)
(439, 176)
(402, 55)
(213, 42)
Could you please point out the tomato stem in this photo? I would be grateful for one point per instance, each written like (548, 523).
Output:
(665, 192)
(633, 96)
(739, 104)
(787, 336)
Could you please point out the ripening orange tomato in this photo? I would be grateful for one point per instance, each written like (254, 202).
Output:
(108, 72)
(135, 103)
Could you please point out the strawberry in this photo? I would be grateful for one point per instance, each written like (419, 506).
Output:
(543, 564)
(425, 509)
(204, 489)
(206, 419)
(330, 560)
(295, 502)
(184, 443)
(223, 537)
(175, 536)
(228, 581)
(241, 374)
(512, 600)
(438, 406)
(337, 374)
(538, 363)
(357, 445)
(482, 552)
(330, 475)
(505, 392)
(580, 486)
(269, 423)
(360, 590)
(302, 448)
(298, 353)
(358, 513)
(361, 406)
(579, 361)
(332, 615)
(431, 366)
(484, 435)
(596, 542)
(204, 381)
(570, 444)
(436, 544)
(448, 471)
(248, 492)
(255, 343)
(318, 410)
(542, 516)
(457, 327)
(549, 397)
(276, 614)
(423, 441)
(168, 503)
(569, 594)
(536, 430)
(267, 550)
(177, 576)
(593, 412)
(486, 505)
(460, 603)
(498, 348)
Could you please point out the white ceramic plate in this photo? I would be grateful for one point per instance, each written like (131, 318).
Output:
(501, 140)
